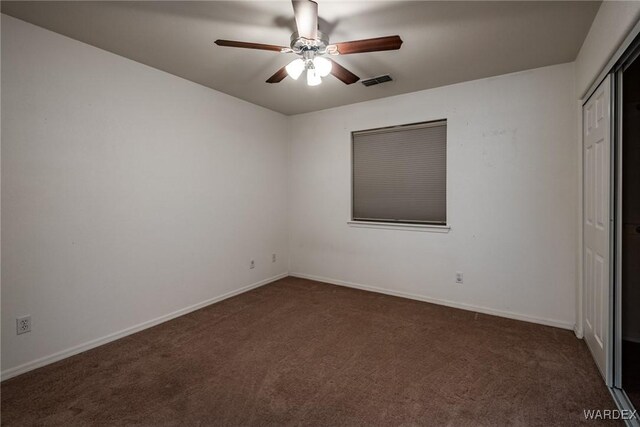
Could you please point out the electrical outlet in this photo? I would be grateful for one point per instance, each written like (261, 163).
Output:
(23, 325)
(459, 277)
(273, 257)
(252, 264)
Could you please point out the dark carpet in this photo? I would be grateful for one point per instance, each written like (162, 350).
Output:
(298, 352)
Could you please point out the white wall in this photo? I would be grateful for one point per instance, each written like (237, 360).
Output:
(512, 198)
(610, 27)
(127, 194)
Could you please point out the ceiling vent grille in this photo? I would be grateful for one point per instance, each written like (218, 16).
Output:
(377, 80)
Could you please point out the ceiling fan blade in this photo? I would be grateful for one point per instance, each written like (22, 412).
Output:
(369, 45)
(246, 45)
(278, 76)
(306, 13)
(341, 73)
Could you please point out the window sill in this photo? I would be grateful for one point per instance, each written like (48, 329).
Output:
(400, 226)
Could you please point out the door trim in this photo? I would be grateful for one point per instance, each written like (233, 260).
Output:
(617, 231)
(613, 222)
(621, 54)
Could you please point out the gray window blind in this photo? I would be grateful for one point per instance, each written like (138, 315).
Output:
(399, 174)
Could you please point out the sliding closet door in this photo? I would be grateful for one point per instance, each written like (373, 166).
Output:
(597, 225)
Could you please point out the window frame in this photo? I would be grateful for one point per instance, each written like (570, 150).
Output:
(400, 225)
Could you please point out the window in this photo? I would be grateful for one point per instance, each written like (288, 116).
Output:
(399, 174)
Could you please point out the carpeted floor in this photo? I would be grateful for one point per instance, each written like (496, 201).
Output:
(303, 352)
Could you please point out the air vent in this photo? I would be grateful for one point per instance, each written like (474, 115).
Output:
(377, 80)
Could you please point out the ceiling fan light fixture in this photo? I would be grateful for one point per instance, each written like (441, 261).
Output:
(322, 65)
(295, 68)
(310, 45)
(313, 78)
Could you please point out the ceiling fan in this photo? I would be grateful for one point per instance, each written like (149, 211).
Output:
(311, 45)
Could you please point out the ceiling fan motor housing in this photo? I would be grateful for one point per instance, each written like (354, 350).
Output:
(300, 45)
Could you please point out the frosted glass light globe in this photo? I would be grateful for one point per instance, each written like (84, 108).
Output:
(322, 65)
(313, 78)
(295, 68)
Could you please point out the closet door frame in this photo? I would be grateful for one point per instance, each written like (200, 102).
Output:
(630, 54)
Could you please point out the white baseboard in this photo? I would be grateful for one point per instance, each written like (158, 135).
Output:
(463, 306)
(46, 360)
(578, 331)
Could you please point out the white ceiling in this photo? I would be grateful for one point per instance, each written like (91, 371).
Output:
(444, 42)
